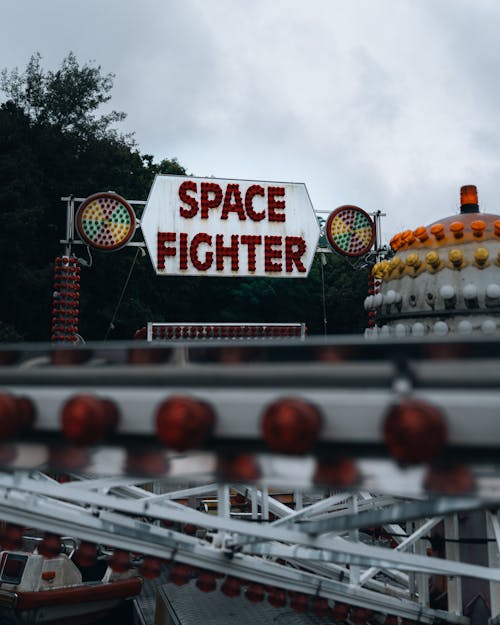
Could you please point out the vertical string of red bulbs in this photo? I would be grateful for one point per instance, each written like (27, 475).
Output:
(65, 299)
(373, 287)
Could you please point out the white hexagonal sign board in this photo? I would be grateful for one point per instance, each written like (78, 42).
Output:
(229, 228)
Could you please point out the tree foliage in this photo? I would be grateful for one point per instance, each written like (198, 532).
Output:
(55, 142)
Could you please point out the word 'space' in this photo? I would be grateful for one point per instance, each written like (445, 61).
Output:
(261, 245)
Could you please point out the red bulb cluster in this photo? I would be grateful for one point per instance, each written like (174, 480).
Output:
(271, 254)
(65, 299)
(231, 251)
(194, 331)
(164, 251)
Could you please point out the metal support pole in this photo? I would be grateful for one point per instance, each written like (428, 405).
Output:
(493, 531)
(223, 501)
(70, 224)
(297, 497)
(254, 502)
(354, 571)
(453, 553)
(265, 503)
(422, 579)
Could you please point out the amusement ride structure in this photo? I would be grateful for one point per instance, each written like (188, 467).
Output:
(353, 479)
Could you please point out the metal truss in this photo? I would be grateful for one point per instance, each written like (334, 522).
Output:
(320, 545)
(120, 513)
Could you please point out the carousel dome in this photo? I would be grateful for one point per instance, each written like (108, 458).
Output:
(442, 279)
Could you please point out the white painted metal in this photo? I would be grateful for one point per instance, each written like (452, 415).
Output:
(453, 553)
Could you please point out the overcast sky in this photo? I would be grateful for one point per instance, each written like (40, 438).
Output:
(391, 105)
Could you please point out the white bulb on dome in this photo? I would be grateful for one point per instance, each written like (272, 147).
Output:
(390, 297)
(449, 296)
(368, 302)
(492, 295)
(489, 326)
(470, 291)
(378, 300)
(440, 328)
(418, 329)
(464, 327)
(384, 331)
(400, 330)
(470, 295)
(493, 290)
(447, 291)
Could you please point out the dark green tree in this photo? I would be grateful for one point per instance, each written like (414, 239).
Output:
(55, 142)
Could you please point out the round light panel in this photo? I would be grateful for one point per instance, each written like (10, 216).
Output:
(105, 221)
(350, 231)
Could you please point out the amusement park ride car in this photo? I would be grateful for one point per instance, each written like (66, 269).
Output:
(345, 476)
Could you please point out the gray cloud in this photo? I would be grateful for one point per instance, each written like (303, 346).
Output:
(388, 104)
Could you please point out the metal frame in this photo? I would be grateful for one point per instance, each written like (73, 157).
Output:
(318, 547)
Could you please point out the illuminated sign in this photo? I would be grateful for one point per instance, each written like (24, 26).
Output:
(350, 231)
(229, 228)
(105, 221)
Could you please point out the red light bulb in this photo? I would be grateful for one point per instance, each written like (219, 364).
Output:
(277, 597)
(238, 468)
(299, 602)
(255, 593)
(150, 567)
(341, 472)
(8, 416)
(87, 419)
(206, 581)
(231, 587)
(181, 574)
(184, 423)
(320, 606)
(291, 426)
(414, 431)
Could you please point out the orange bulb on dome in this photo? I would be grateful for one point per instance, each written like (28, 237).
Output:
(468, 195)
